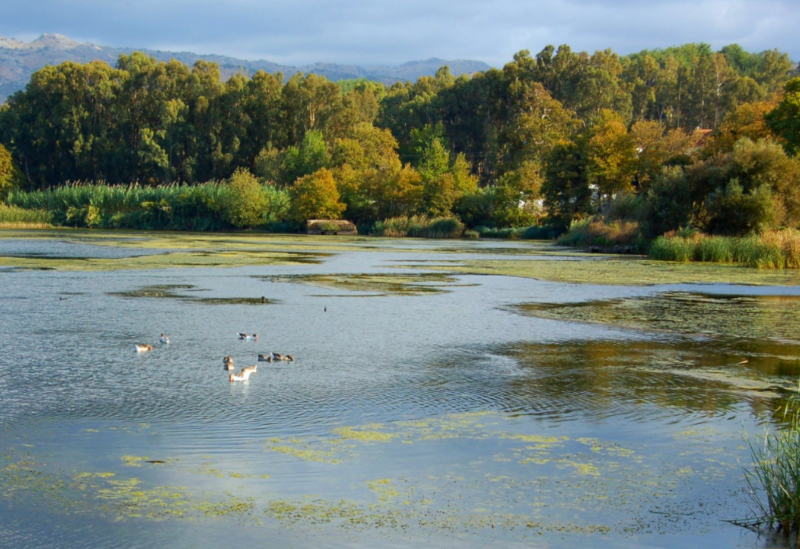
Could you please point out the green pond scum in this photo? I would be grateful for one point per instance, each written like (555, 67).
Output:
(621, 271)
(378, 284)
(178, 292)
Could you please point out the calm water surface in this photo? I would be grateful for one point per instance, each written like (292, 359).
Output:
(435, 410)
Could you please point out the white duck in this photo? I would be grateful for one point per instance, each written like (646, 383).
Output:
(142, 348)
(244, 375)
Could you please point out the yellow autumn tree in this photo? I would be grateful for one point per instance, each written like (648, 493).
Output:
(610, 155)
(315, 196)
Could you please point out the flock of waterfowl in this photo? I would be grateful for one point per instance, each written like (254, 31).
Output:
(227, 361)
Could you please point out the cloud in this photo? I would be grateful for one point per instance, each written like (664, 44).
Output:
(376, 32)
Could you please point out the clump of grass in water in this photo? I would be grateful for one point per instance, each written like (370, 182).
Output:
(420, 226)
(774, 480)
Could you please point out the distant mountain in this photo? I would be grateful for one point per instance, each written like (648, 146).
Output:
(18, 60)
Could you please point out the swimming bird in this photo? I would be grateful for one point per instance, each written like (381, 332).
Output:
(142, 348)
(244, 375)
(278, 356)
(163, 339)
(265, 357)
(251, 369)
(228, 362)
(247, 336)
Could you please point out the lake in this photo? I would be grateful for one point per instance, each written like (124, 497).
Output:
(430, 401)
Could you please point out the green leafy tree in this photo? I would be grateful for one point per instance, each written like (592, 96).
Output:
(566, 191)
(667, 204)
(306, 158)
(785, 119)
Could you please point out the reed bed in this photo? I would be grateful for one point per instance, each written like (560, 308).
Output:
(420, 226)
(12, 217)
(774, 479)
(770, 250)
(168, 207)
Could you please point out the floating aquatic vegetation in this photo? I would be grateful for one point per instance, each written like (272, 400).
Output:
(377, 284)
(170, 291)
(619, 271)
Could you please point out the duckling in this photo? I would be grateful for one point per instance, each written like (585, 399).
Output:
(142, 348)
(244, 375)
(163, 339)
(247, 336)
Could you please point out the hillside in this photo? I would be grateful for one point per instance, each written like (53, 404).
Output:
(18, 60)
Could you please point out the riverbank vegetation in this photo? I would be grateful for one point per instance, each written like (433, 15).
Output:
(617, 151)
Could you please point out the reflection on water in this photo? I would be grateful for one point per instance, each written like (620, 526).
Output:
(751, 316)
(415, 416)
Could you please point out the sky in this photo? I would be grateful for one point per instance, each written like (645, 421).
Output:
(368, 32)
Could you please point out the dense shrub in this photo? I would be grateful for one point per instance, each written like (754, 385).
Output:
(667, 206)
(734, 212)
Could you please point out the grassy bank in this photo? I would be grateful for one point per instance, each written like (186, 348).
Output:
(771, 250)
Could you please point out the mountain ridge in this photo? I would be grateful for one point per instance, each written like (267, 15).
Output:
(19, 59)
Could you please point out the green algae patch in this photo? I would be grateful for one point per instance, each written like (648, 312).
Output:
(616, 271)
(384, 489)
(172, 291)
(169, 260)
(376, 284)
(134, 461)
(304, 450)
(364, 434)
(739, 316)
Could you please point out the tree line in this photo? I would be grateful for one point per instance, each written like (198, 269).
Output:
(547, 138)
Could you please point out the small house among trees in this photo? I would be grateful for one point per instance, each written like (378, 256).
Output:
(331, 226)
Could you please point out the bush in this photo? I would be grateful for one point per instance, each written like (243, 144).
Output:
(667, 205)
(245, 202)
(510, 233)
(733, 212)
(543, 232)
